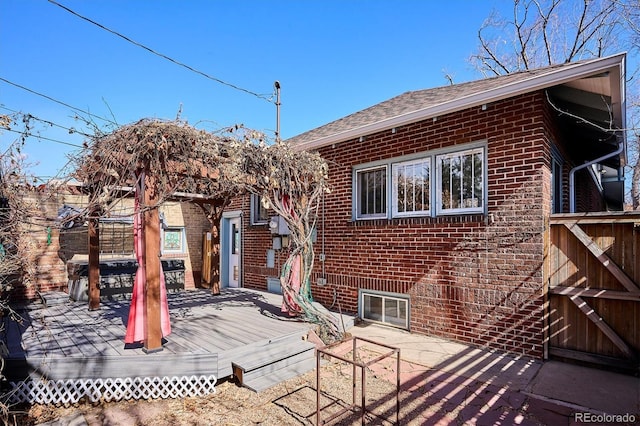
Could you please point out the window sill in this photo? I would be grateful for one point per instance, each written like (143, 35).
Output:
(423, 220)
(166, 255)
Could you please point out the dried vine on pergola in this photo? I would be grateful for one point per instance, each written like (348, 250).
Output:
(183, 159)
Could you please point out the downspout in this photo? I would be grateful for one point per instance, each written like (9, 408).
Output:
(572, 189)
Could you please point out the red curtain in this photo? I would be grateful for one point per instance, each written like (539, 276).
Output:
(136, 325)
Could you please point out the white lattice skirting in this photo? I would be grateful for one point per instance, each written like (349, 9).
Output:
(72, 391)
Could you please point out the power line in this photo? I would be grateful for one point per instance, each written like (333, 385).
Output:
(27, 134)
(51, 123)
(56, 101)
(217, 80)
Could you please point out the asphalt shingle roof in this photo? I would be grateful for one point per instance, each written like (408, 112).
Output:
(409, 102)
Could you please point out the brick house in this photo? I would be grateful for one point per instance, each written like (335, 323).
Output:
(440, 201)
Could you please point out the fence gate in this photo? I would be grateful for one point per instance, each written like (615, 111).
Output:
(593, 271)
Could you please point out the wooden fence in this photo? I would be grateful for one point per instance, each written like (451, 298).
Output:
(593, 306)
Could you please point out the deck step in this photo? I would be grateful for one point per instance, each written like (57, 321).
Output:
(225, 368)
(274, 358)
(270, 364)
(261, 383)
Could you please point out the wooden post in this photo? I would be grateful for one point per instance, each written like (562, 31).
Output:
(205, 276)
(153, 330)
(211, 245)
(94, 261)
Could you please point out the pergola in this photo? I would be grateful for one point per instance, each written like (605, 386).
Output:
(167, 160)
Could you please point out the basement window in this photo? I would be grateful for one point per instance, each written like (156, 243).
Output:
(385, 308)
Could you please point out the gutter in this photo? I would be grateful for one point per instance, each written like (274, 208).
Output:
(572, 185)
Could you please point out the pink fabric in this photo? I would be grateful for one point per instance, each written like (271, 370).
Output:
(136, 325)
(294, 282)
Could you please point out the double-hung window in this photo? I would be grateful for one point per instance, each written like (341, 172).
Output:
(371, 188)
(259, 212)
(428, 184)
(460, 187)
(411, 188)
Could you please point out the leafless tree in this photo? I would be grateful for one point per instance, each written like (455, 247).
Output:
(547, 32)
(16, 220)
(631, 15)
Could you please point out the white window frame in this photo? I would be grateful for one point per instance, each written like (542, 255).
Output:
(394, 187)
(400, 298)
(357, 191)
(435, 200)
(440, 211)
(183, 239)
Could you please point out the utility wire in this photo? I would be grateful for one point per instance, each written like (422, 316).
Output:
(27, 134)
(217, 80)
(50, 123)
(57, 101)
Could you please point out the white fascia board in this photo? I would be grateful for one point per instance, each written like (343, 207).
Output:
(553, 78)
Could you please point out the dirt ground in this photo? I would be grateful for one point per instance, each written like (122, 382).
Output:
(289, 403)
(426, 397)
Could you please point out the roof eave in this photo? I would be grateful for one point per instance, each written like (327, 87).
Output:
(614, 64)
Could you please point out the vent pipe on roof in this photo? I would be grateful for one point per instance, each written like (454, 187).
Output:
(572, 185)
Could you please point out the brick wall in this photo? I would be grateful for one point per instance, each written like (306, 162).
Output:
(255, 242)
(475, 278)
(51, 247)
(46, 249)
(472, 278)
(196, 224)
(588, 195)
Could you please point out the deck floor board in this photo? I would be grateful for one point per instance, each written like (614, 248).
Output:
(201, 324)
(88, 343)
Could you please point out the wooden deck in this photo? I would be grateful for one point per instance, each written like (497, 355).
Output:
(68, 341)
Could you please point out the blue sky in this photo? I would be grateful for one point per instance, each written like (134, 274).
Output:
(331, 58)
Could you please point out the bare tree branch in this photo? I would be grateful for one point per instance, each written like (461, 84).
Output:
(218, 166)
(486, 55)
(522, 39)
(559, 31)
(587, 31)
(545, 17)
